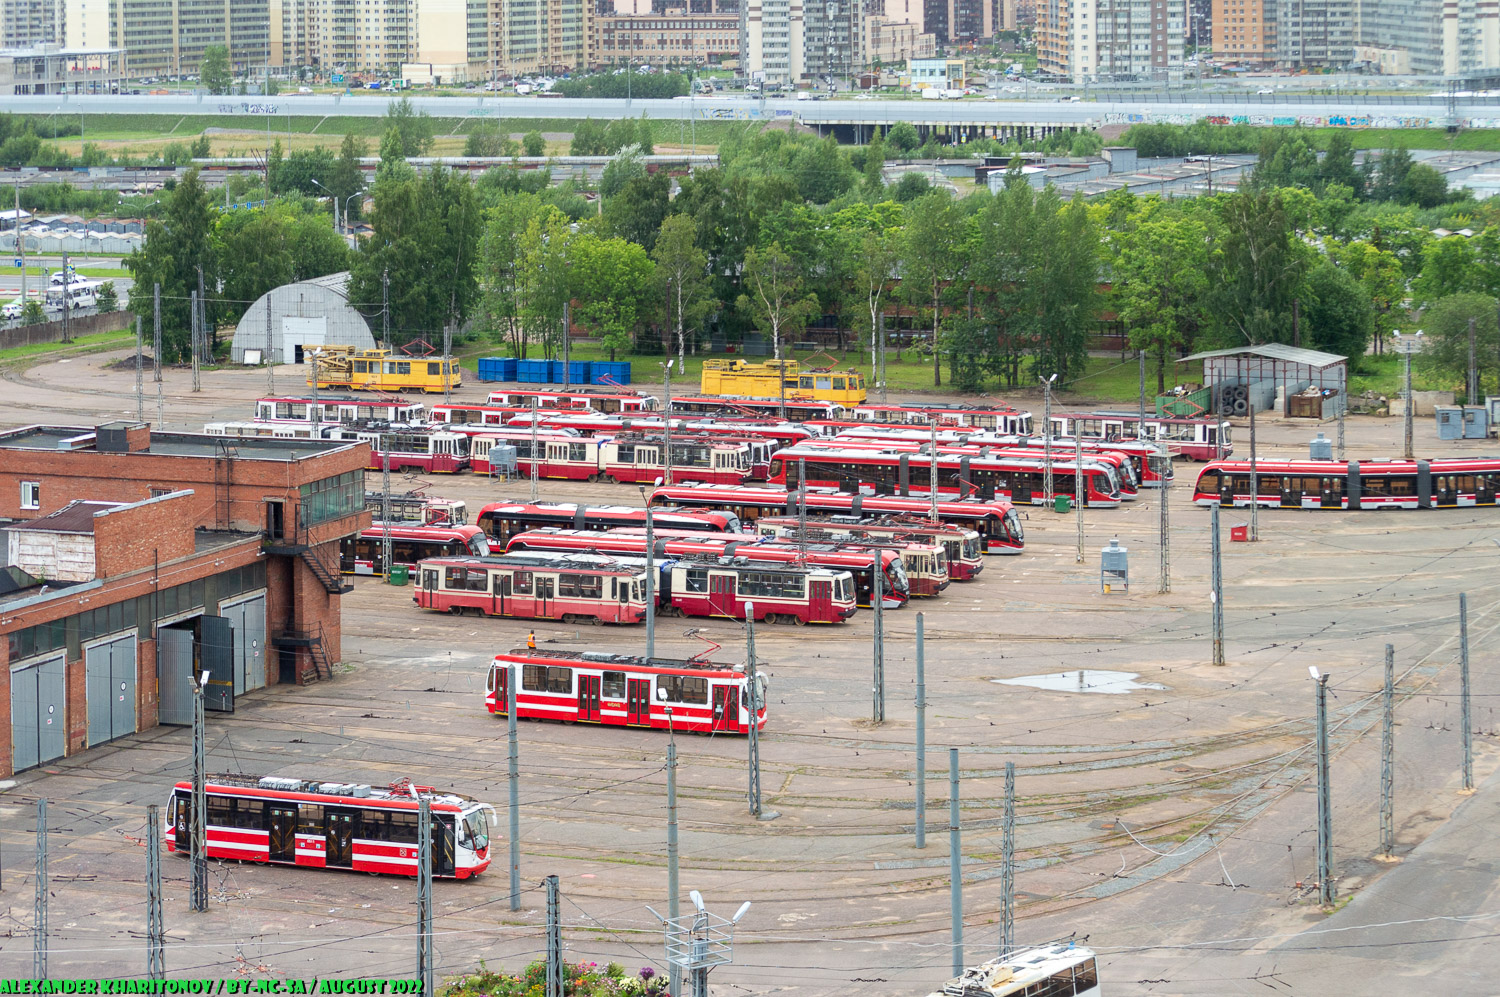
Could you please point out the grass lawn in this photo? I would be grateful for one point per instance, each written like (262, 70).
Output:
(99, 341)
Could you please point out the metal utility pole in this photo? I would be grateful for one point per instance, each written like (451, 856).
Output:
(1408, 345)
(1388, 755)
(754, 736)
(385, 309)
(1008, 864)
(566, 325)
(447, 362)
(650, 584)
(156, 330)
(1164, 534)
(1140, 427)
(513, 752)
(156, 943)
(1078, 490)
(1216, 583)
(877, 606)
(921, 733)
(1472, 384)
(666, 421)
(554, 942)
(880, 365)
(1254, 481)
(424, 895)
(21, 245)
(932, 481)
(67, 297)
(39, 915)
(140, 401)
(203, 330)
(673, 887)
(1343, 410)
(198, 829)
(386, 553)
(1325, 810)
(1463, 673)
(1047, 437)
(193, 325)
(955, 864)
(536, 458)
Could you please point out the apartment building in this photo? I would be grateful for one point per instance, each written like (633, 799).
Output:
(1244, 31)
(671, 37)
(834, 38)
(891, 40)
(28, 24)
(1111, 39)
(1315, 34)
(1420, 36)
(771, 35)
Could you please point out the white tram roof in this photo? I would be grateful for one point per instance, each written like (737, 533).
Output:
(1015, 972)
(402, 791)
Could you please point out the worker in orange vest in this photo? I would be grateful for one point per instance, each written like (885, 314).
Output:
(531, 640)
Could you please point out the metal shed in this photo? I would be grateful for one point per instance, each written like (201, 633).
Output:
(1271, 373)
(305, 314)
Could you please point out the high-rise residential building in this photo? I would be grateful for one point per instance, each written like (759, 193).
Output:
(545, 36)
(1244, 31)
(772, 45)
(1315, 34)
(670, 37)
(1423, 36)
(163, 37)
(834, 37)
(895, 32)
(29, 23)
(1111, 39)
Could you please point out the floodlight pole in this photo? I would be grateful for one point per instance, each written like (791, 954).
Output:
(1325, 815)
(754, 698)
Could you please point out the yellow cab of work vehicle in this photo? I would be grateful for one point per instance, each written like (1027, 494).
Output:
(771, 379)
(381, 370)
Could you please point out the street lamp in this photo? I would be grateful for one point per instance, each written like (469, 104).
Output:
(1408, 345)
(348, 226)
(332, 197)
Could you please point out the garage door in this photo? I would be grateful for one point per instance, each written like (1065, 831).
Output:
(174, 675)
(37, 700)
(247, 617)
(111, 668)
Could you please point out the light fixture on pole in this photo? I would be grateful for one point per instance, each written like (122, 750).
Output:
(1408, 345)
(332, 197)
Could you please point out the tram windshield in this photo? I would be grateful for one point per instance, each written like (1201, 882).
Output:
(900, 582)
(1013, 524)
(479, 546)
(475, 832)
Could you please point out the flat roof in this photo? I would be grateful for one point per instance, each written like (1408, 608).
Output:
(66, 438)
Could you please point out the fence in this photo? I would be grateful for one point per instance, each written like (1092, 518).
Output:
(52, 332)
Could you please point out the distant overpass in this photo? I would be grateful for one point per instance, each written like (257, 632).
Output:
(976, 115)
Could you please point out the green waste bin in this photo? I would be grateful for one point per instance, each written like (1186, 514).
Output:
(398, 574)
(1061, 503)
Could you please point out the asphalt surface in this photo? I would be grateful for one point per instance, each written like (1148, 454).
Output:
(1173, 825)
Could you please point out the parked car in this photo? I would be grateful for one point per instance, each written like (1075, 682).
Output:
(64, 277)
(13, 309)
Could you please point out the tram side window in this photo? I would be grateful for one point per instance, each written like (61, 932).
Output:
(683, 688)
(219, 813)
(697, 580)
(578, 451)
(770, 584)
(534, 678)
(559, 680)
(1209, 482)
(249, 814)
(614, 685)
(1086, 976)
(523, 583)
(309, 819)
(625, 453)
(434, 369)
(453, 578)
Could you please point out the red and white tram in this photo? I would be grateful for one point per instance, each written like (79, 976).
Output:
(560, 454)
(535, 585)
(1195, 439)
(455, 415)
(625, 691)
(615, 400)
(797, 410)
(337, 409)
(961, 546)
(1442, 483)
(361, 555)
(1001, 420)
(995, 521)
(858, 561)
(1018, 479)
(503, 520)
(412, 449)
(633, 457)
(327, 825)
(780, 593)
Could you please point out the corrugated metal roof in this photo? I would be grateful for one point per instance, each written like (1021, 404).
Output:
(1274, 351)
(338, 283)
(75, 517)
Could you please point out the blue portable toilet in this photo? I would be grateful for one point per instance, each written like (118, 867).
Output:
(1450, 422)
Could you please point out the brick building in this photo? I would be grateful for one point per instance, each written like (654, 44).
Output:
(189, 553)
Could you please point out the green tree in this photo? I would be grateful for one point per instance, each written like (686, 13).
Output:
(612, 281)
(1425, 187)
(682, 273)
(501, 275)
(286, 241)
(822, 171)
(213, 71)
(1160, 285)
(274, 160)
(1445, 326)
(1448, 267)
(1387, 175)
(1379, 273)
(637, 211)
(1258, 271)
(1338, 164)
(911, 187)
(903, 137)
(347, 178)
(173, 249)
(545, 288)
(1337, 316)
(879, 262)
(414, 127)
(931, 255)
(32, 313)
(303, 166)
(628, 164)
(774, 298)
(107, 300)
(589, 139)
(534, 144)
(486, 139)
(874, 178)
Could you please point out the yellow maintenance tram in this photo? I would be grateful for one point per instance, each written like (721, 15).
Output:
(737, 378)
(344, 367)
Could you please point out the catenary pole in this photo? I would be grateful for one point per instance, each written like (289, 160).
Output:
(955, 866)
(554, 942)
(650, 584)
(1254, 481)
(156, 963)
(753, 735)
(1325, 812)
(877, 607)
(1078, 488)
(1164, 534)
(1008, 864)
(513, 753)
(1465, 720)
(39, 910)
(140, 401)
(424, 895)
(921, 820)
(1216, 583)
(1388, 755)
(673, 886)
(198, 828)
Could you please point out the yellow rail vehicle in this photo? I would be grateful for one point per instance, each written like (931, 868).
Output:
(737, 378)
(382, 370)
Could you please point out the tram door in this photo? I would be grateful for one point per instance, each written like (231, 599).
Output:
(726, 708)
(588, 698)
(442, 846)
(822, 600)
(1291, 492)
(1484, 489)
(721, 594)
(340, 837)
(1226, 489)
(638, 702)
(545, 596)
(283, 834)
(501, 593)
(1447, 490)
(502, 690)
(1333, 493)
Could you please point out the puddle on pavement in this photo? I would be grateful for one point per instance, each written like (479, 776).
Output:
(1087, 680)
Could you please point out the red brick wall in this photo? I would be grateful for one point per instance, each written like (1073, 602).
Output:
(134, 538)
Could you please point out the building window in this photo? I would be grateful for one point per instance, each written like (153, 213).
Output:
(31, 495)
(332, 498)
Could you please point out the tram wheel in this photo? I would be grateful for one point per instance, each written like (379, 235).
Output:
(568, 619)
(593, 479)
(800, 621)
(455, 610)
